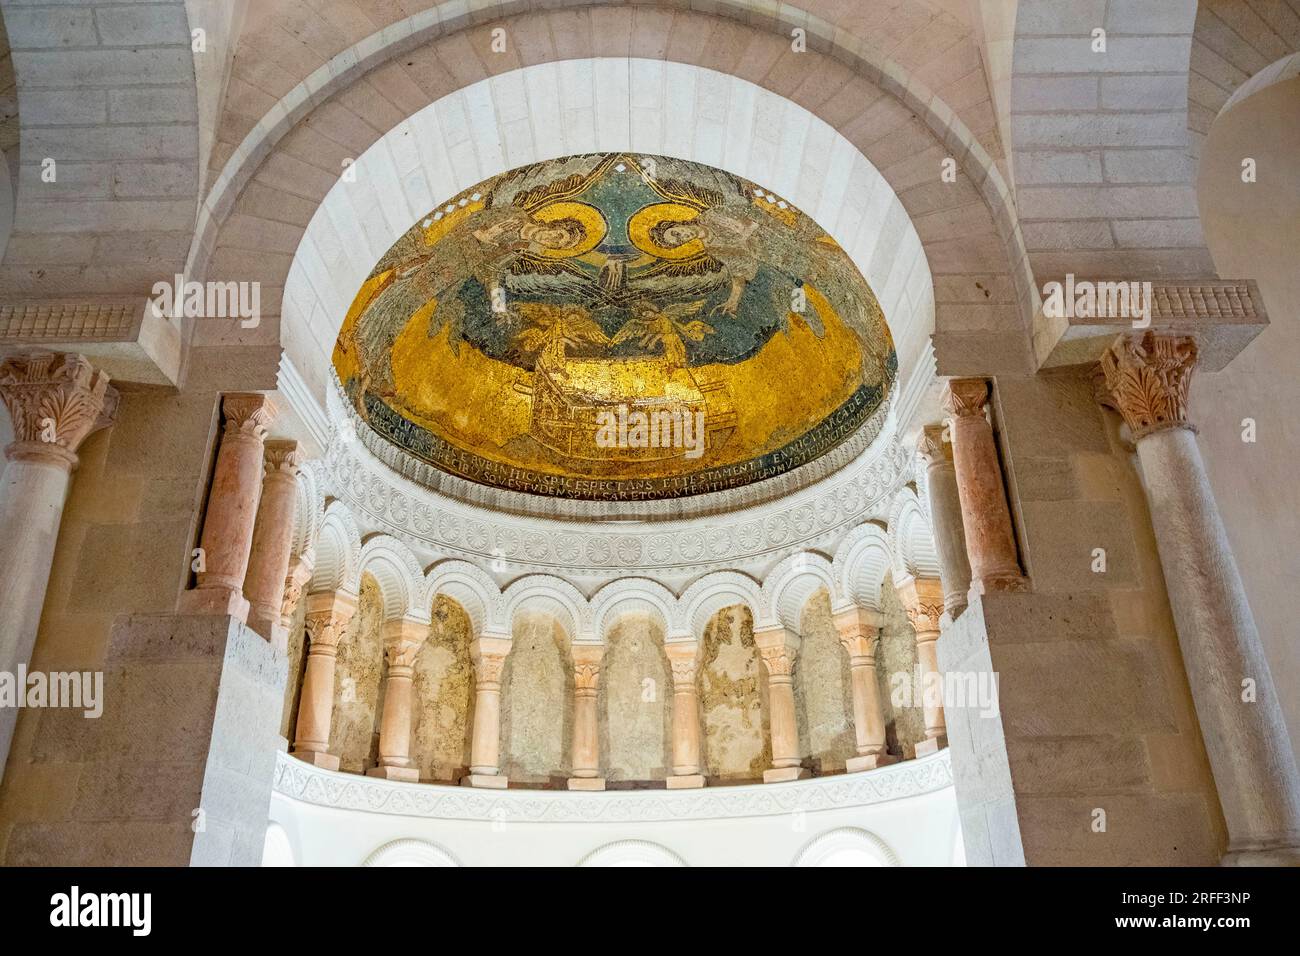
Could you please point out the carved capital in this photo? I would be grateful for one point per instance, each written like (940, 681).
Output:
(489, 657)
(933, 447)
(1147, 380)
(858, 629)
(55, 400)
(300, 569)
(966, 397)
(683, 658)
(248, 413)
(778, 649)
(282, 458)
(586, 666)
(403, 639)
(922, 598)
(328, 613)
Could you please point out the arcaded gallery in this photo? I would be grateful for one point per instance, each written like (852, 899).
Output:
(683, 433)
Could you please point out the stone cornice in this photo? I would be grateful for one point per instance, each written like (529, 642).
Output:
(305, 783)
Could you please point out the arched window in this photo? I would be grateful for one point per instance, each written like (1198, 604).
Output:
(410, 853)
(847, 846)
(277, 850)
(632, 853)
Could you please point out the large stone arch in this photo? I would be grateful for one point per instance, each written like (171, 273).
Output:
(277, 181)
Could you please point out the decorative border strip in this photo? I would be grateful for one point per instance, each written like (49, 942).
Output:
(346, 791)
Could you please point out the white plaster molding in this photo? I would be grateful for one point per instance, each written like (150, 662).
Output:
(860, 565)
(298, 395)
(304, 783)
(338, 551)
(846, 838)
(911, 539)
(713, 592)
(632, 853)
(789, 585)
(550, 595)
(399, 575)
(634, 595)
(474, 590)
(410, 853)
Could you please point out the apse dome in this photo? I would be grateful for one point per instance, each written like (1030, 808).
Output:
(615, 327)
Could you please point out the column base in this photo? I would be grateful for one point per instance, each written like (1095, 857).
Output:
(317, 758)
(868, 762)
(685, 781)
(487, 781)
(586, 783)
(785, 774)
(214, 601)
(405, 774)
(1263, 856)
(999, 583)
(931, 745)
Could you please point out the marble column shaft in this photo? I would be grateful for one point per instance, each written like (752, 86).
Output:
(586, 736)
(778, 649)
(986, 516)
(923, 599)
(227, 536)
(55, 400)
(1147, 379)
(489, 657)
(945, 517)
(859, 633)
(327, 615)
(683, 659)
(268, 563)
(403, 639)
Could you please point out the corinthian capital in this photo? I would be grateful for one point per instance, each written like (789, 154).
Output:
(282, 457)
(403, 639)
(683, 657)
(966, 397)
(586, 666)
(328, 613)
(932, 446)
(1147, 380)
(248, 413)
(55, 400)
(922, 598)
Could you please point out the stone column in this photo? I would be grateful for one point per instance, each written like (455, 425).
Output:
(268, 562)
(489, 657)
(923, 599)
(859, 633)
(778, 648)
(403, 639)
(1147, 381)
(586, 733)
(945, 517)
(55, 401)
(232, 507)
(328, 613)
(682, 658)
(986, 518)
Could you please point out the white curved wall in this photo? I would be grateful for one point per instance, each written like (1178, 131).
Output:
(909, 810)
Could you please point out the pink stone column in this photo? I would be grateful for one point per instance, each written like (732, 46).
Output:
(55, 401)
(402, 641)
(300, 571)
(945, 517)
(1147, 380)
(778, 648)
(327, 615)
(586, 735)
(489, 657)
(986, 517)
(859, 632)
(232, 509)
(683, 658)
(923, 599)
(268, 563)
